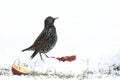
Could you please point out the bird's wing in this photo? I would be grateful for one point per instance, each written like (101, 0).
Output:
(41, 40)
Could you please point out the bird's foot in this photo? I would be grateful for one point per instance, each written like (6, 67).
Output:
(48, 56)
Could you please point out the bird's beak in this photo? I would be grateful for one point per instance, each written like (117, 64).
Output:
(56, 18)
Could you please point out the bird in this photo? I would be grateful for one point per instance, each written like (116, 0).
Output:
(46, 40)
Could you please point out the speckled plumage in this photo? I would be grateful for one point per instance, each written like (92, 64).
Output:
(46, 40)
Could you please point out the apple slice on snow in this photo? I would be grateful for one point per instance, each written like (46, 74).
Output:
(66, 58)
(18, 70)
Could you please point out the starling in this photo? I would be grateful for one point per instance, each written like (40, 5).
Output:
(46, 40)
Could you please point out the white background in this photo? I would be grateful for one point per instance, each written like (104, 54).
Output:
(86, 28)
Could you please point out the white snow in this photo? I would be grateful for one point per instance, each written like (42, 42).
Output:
(52, 67)
(50, 78)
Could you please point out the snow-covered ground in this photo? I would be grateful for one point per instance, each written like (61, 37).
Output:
(63, 77)
(51, 69)
(43, 78)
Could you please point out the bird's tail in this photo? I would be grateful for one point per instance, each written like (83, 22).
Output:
(34, 54)
(29, 48)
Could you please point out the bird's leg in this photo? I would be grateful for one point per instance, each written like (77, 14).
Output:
(41, 56)
(46, 55)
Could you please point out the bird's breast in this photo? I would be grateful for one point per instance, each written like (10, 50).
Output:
(52, 39)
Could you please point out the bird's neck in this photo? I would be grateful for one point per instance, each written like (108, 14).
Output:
(48, 26)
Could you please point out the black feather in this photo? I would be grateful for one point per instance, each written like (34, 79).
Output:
(34, 54)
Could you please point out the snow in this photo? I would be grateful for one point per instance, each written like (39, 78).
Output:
(110, 78)
(52, 69)
(15, 77)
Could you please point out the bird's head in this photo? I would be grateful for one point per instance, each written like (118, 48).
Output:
(49, 21)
